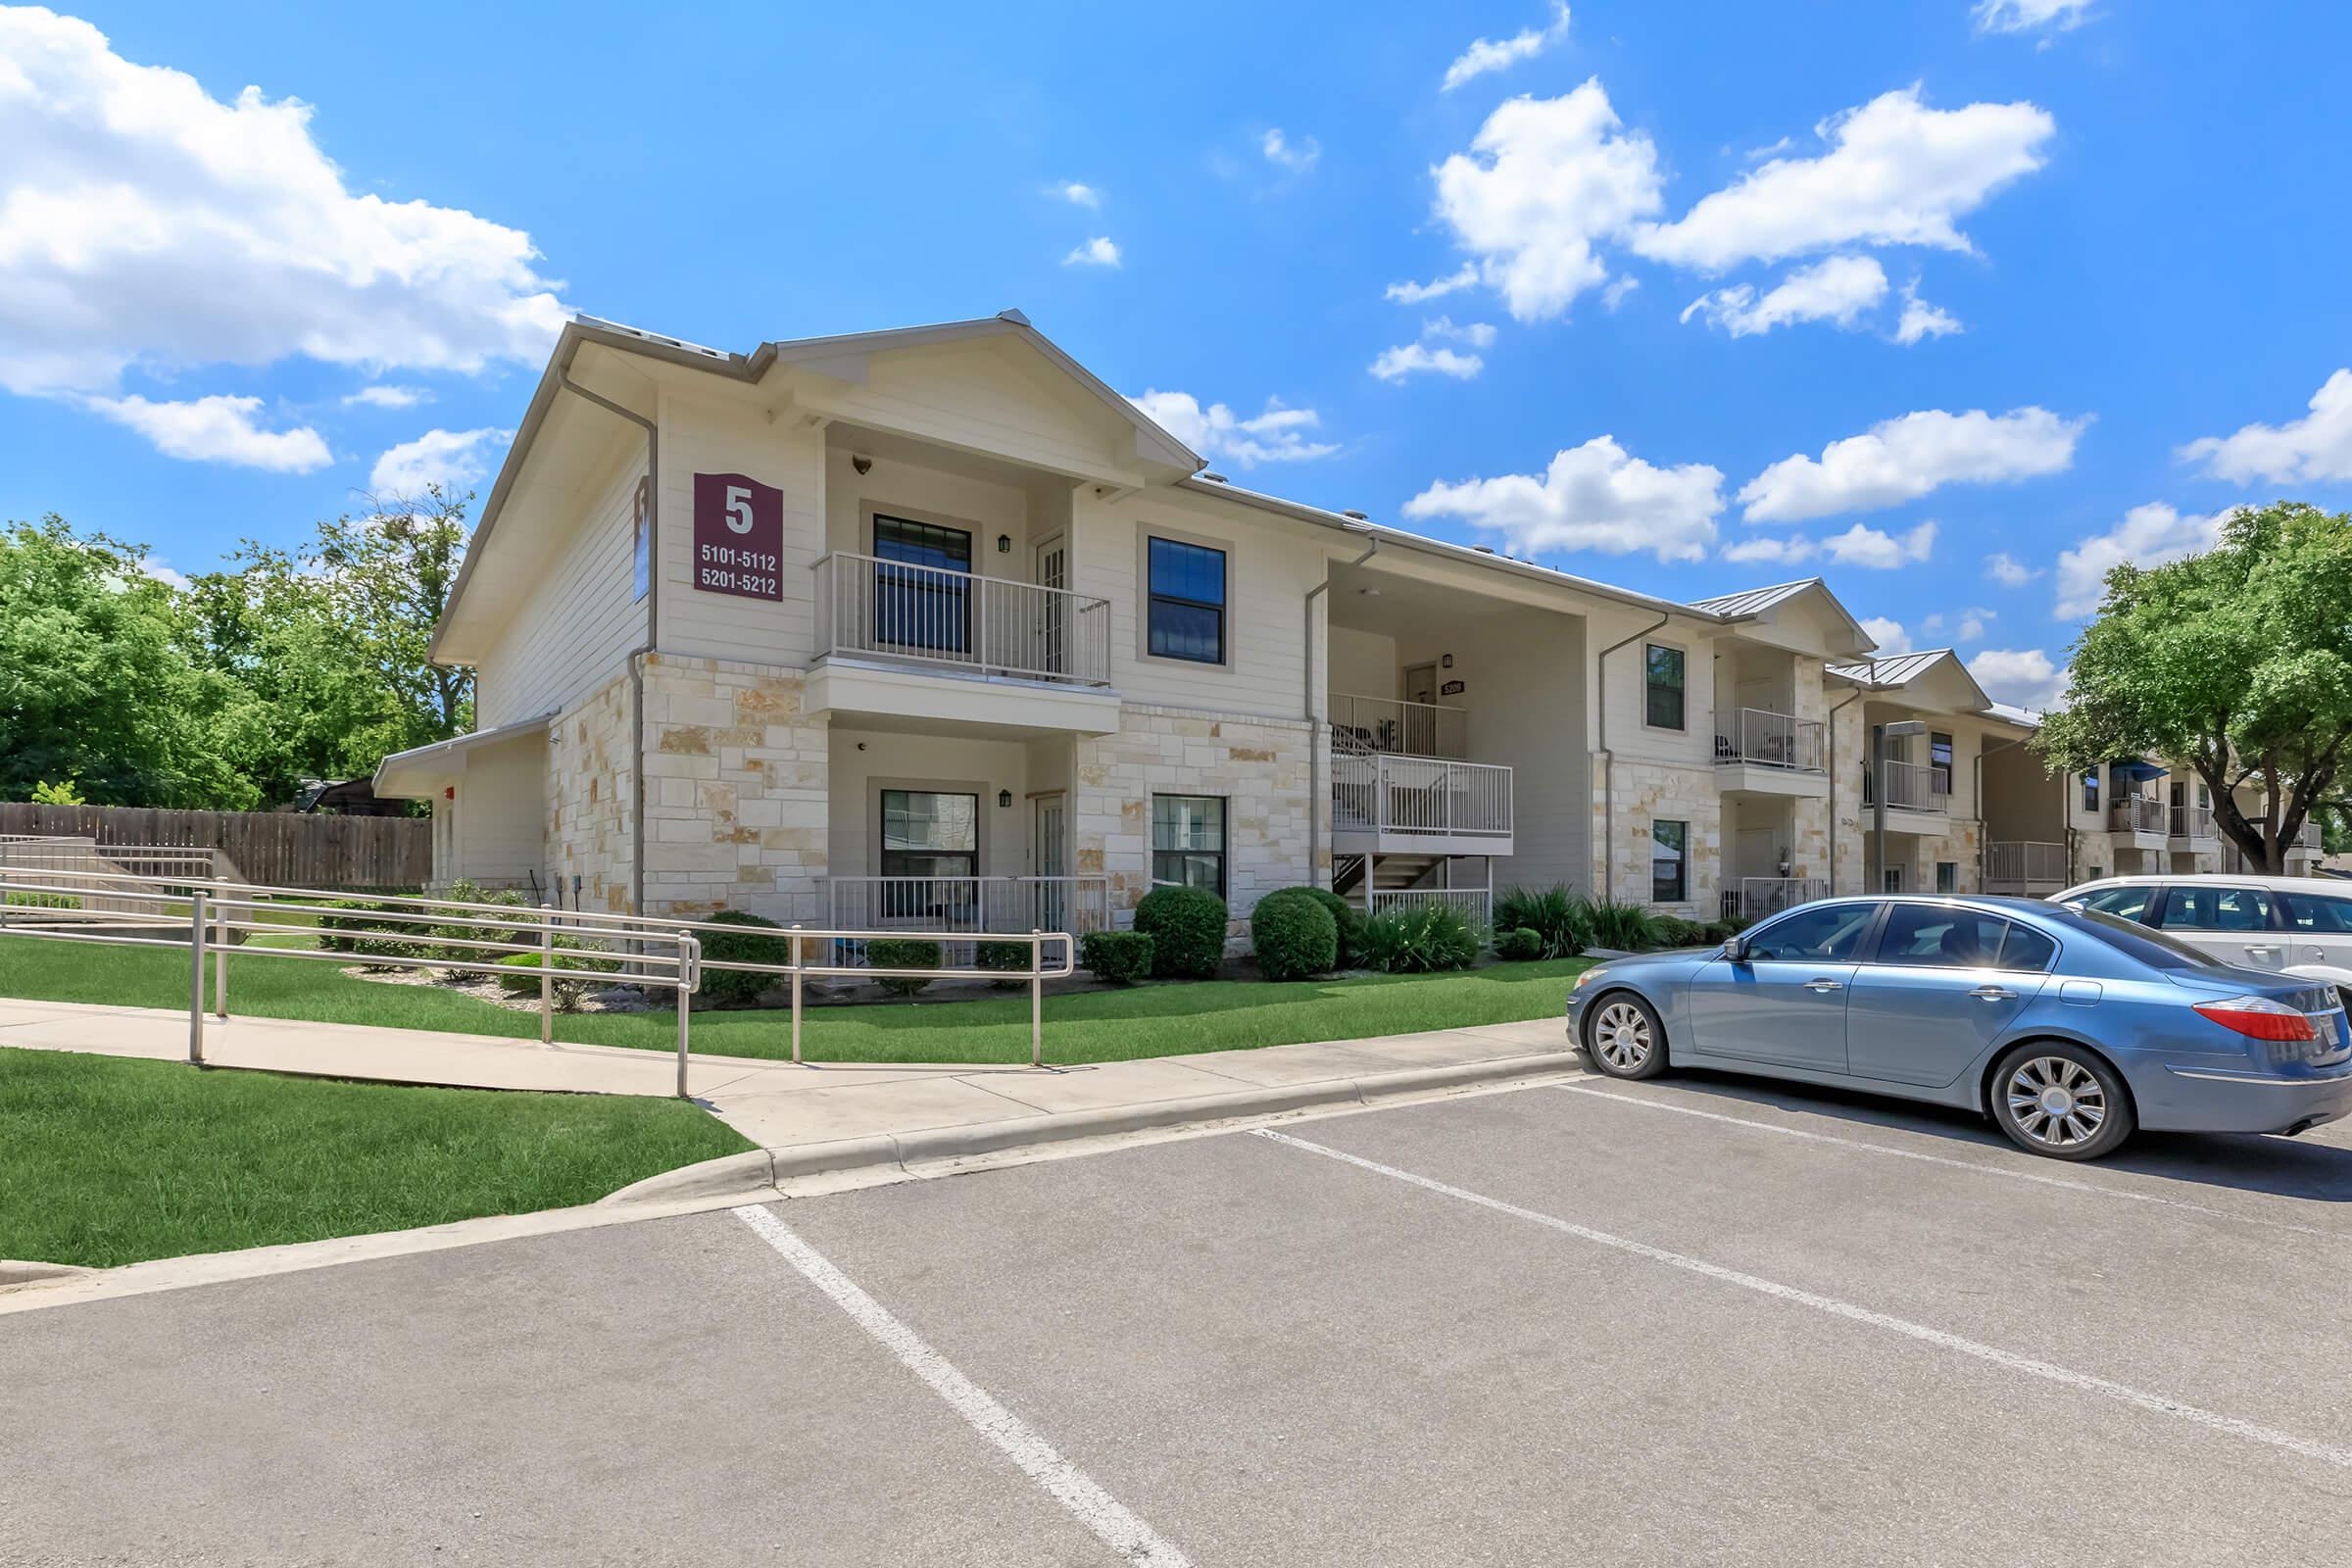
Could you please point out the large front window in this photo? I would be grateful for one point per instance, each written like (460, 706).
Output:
(927, 835)
(1188, 840)
(1663, 672)
(922, 602)
(1669, 865)
(1187, 602)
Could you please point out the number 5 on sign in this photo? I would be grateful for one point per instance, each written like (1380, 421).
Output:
(739, 507)
(738, 521)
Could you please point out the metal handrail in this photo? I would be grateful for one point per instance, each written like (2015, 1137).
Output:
(2140, 814)
(1917, 786)
(1420, 795)
(934, 615)
(2191, 821)
(1394, 724)
(1765, 739)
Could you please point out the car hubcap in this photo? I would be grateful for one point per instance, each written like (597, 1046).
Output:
(1621, 1036)
(2057, 1101)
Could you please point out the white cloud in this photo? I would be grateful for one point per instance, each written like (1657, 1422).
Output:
(1896, 172)
(1769, 547)
(2009, 572)
(1864, 546)
(1546, 179)
(1278, 435)
(2022, 677)
(150, 566)
(1921, 320)
(145, 222)
(1486, 53)
(218, 429)
(2028, 16)
(1618, 287)
(1888, 634)
(1410, 293)
(450, 458)
(1296, 156)
(388, 397)
(1478, 334)
(1972, 623)
(1430, 354)
(2307, 450)
(2148, 537)
(1593, 497)
(1077, 195)
(1096, 252)
(1839, 289)
(1902, 459)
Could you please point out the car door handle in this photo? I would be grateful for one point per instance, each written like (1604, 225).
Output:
(2258, 950)
(1993, 993)
(1825, 983)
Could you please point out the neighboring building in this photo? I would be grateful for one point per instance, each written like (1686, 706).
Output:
(933, 628)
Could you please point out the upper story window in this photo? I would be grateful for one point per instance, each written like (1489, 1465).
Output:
(1187, 602)
(2090, 791)
(1940, 761)
(921, 597)
(1664, 673)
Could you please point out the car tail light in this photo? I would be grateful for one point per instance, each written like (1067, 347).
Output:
(2260, 1019)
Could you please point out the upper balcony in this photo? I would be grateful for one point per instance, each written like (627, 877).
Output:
(1019, 655)
(1399, 783)
(2192, 824)
(2144, 818)
(1919, 796)
(1772, 754)
(1390, 725)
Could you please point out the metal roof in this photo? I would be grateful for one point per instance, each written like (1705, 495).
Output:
(1752, 601)
(1896, 669)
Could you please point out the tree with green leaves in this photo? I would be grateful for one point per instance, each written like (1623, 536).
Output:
(2237, 661)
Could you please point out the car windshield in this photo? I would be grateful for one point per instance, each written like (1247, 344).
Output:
(2151, 947)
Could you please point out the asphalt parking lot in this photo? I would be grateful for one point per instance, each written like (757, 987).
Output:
(1699, 1319)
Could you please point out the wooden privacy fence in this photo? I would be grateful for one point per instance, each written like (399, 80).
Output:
(280, 849)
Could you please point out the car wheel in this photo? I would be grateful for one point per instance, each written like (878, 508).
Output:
(2061, 1101)
(1624, 1038)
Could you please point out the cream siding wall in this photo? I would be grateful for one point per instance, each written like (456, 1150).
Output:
(864, 763)
(582, 616)
(709, 436)
(989, 396)
(502, 819)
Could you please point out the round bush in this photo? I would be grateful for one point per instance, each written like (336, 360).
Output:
(1187, 928)
(1293, 936)
(727, 947)
(1116, 958)
(902, 953)
(1347, 916)
(1519, 945)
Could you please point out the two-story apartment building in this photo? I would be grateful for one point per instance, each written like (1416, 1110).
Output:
(931, 626)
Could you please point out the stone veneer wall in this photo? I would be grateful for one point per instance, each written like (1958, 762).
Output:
(1262, 767)
(736, 783)
(589, 809)
(1646, 792)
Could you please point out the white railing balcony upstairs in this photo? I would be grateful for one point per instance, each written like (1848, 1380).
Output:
(1763, 739)
(960, 621)
(1918, 787)
(980, 905)
(2307, 837)
(1475, 904)
(2140, 814)
(1759, 896)
(1424, 796)
(1390, 725)
(2192, 822)
(2020, 864)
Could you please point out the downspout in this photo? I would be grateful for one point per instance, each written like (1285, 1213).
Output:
(1983, 825)
(1314, 724)
(1608, 758)
(653, 628)
(1830, 751)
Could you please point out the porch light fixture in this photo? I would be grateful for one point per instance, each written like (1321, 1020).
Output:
(1004, 798)
(864, 466)
(1004, 544)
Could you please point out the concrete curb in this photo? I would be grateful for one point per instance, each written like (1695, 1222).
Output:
(26, 1271)
(755, 1177)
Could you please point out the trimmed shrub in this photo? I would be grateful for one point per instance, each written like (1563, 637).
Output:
(1347, 916)
(1419, 939)
(335, 930)
(518, 972)
(446, 937)
(1625, 926)
(41, 901)
(902, 953)
(1008, 957)
(1187, 928)
(721, 986)
(1294, 935)
(1676, 932)
(1560, 917)
(1116, 958)
(1518, 946)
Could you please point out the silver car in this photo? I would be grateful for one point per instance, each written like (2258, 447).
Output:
(2069, 1027)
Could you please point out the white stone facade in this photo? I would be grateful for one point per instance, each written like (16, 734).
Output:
(1646, 792)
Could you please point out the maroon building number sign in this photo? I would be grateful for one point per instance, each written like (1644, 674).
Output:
(738, 537)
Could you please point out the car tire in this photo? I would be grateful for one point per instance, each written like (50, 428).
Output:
(2061, 1101)
(1624, 1036)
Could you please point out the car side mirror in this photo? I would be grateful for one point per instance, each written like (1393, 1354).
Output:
(1735, 949)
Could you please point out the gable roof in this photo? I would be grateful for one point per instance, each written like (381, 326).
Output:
(1904, 669)
(1757, 601)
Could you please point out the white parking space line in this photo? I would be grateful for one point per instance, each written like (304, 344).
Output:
(1121, 1531)
(2036, 1177)
(2155, 1403)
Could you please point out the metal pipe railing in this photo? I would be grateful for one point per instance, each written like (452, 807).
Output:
(1420, 795)
(1393, 724)
(2138, 813)
(893, 609)
(1767, 739)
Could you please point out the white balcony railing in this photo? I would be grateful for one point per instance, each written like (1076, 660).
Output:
(2138, 813)
(2307, 837)
(1918, 787)
(1475, 904)
(1774, 740)
(1421, 795)
(991, 625)
(1387, 724)
(1756, 896)
(983, 905)
(2017, 864)
(2191, 821)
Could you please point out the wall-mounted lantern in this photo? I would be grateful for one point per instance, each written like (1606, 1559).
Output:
(1004, 798)
(1004, 544)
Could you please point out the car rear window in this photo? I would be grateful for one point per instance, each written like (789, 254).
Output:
(2134, 940)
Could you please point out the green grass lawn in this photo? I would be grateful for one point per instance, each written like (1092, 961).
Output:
(1155, 1020)
(108, 1160)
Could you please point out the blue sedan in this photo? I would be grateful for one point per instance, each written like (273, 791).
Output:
(2069, 1028)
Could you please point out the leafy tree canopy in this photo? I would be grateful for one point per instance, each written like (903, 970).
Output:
(2237, 661)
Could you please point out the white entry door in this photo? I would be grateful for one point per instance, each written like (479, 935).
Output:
(1052, 567)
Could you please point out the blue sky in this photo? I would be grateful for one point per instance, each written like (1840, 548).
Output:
(1682, 243)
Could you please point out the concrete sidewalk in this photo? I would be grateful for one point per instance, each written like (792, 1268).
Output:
(828, 1116)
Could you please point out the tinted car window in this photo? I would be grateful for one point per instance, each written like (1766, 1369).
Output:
(2316, 911)
(2202, 906)
(1938, 937)
(2125, 904)
(2026, 948)
(1831, 931)
(2151, 947)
